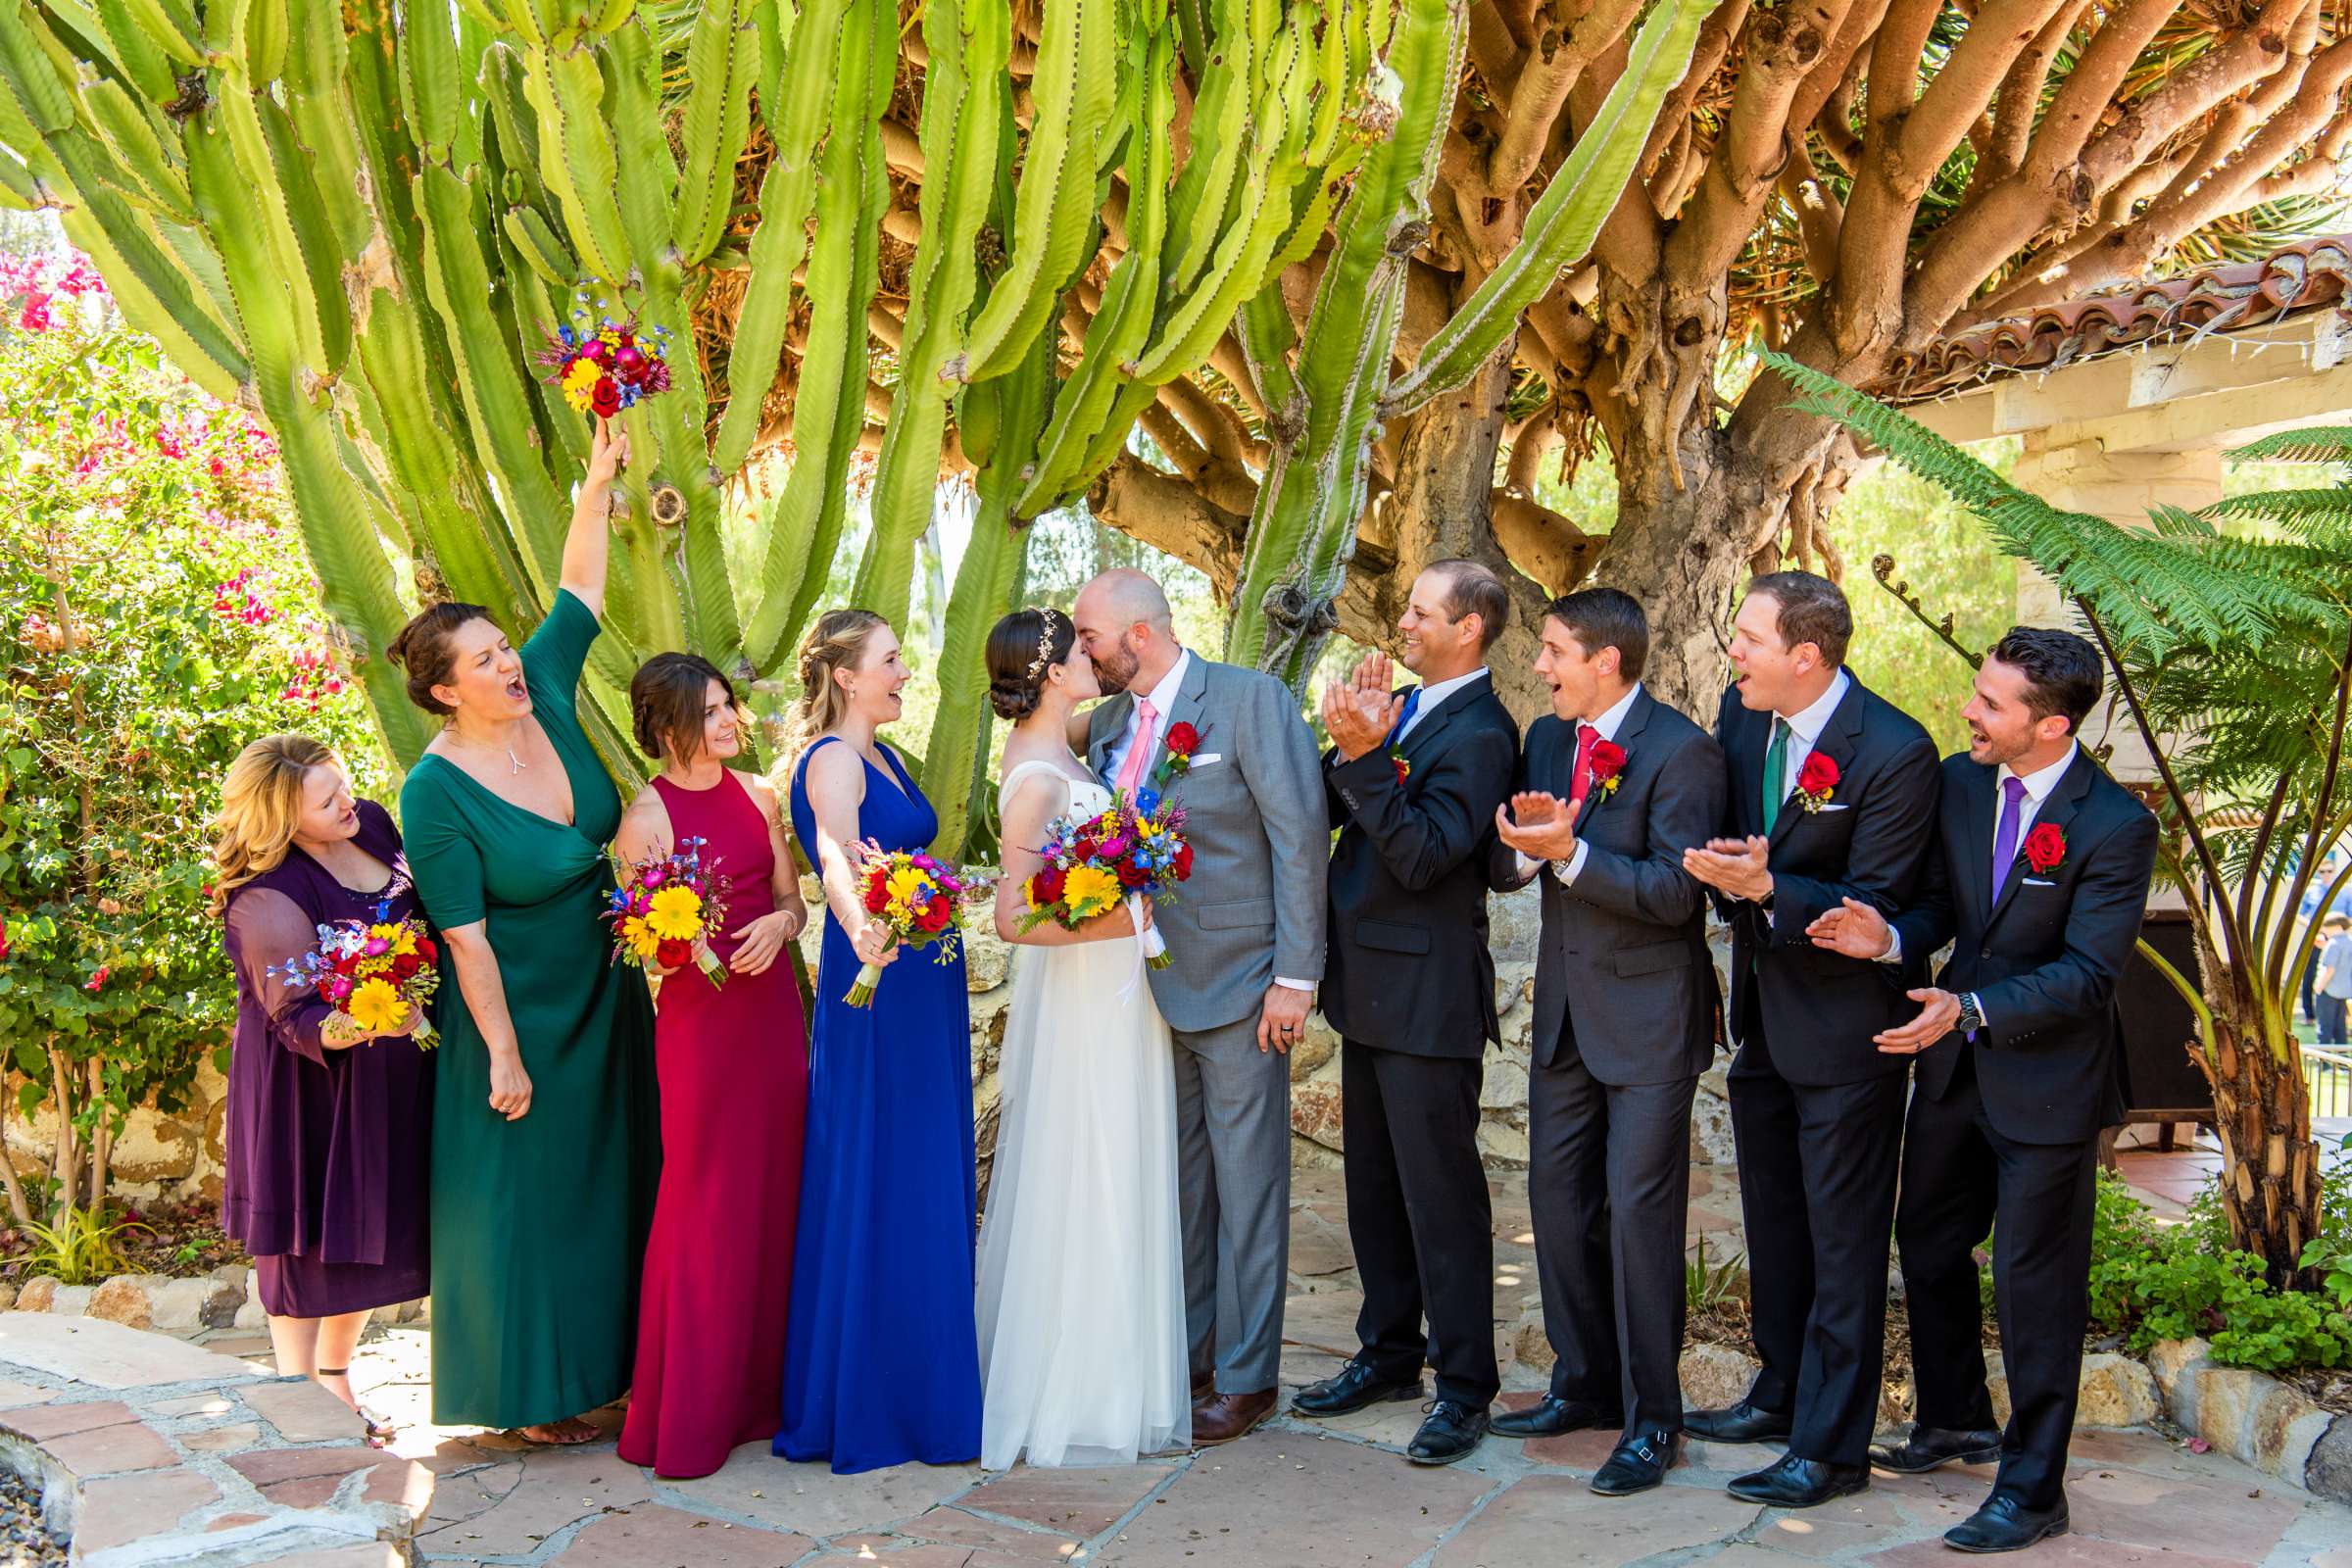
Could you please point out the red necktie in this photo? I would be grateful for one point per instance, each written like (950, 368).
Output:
(1580, 783)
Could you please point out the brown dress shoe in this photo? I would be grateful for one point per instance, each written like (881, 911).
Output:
(1205, 1384)
(1223, 1417)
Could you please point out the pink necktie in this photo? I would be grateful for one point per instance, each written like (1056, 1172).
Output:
(1579, 782)
(1131, 774)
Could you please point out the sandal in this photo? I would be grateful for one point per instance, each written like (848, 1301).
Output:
(380, 1429)
(570, 1431)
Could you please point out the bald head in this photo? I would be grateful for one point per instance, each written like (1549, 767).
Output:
(1125, 627)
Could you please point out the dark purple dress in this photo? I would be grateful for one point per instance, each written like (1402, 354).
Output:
(327, 1176)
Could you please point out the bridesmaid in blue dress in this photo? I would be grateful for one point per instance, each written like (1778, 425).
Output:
(882, 1357)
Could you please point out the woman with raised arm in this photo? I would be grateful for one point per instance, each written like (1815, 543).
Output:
(547, 1140)
(734, 1067)
(881, 1365)
(328, 1123)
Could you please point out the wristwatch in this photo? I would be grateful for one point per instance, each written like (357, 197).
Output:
(1971, 1016)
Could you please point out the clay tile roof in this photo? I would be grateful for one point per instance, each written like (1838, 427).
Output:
(2302, 277)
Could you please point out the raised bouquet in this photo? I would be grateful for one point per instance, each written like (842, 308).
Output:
(1135, 850)
(664, 905)
(371, 971)
(606, 365)
(914, 897)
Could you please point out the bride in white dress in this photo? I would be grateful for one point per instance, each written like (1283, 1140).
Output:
(1083, 1354)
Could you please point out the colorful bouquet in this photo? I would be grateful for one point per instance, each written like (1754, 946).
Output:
(370, 971)
(1136, 849)
(609, 365)
(914, 897)
(664, 905)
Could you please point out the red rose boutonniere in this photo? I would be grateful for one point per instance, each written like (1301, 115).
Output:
(2045, 848)
(1608, 766)
(1817, 781)
(1397, 761)
(1182, 741)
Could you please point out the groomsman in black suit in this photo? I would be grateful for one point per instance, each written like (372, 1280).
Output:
(1613, 787)
(2040, 882)
(1413, 780)
(1832, 798)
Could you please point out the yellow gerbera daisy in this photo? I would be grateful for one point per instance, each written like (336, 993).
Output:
(906, 884)
(376, 1004)
(675, 914)
(579, 384)
(1089, 890)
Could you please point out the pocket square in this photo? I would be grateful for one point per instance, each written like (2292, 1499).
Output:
(1831, 805)
(2040, 882)
(1203, 759)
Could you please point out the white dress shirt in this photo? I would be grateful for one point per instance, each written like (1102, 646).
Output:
(1432, 696)
(1805, 727)
(1608, 724)
(2038, 785)
(1162, 697)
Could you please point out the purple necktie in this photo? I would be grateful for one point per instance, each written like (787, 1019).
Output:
(2004, 838)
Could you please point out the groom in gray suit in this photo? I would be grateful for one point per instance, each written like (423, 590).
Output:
(1246, 940)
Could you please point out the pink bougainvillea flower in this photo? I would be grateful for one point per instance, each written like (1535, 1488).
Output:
(97, 978)
(35, 317)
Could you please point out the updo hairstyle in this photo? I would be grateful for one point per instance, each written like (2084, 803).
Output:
(836, 642)
(421, 649)
(1023, 649)
(666, 699)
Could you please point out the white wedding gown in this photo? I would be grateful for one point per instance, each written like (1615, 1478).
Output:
(1083, 1357)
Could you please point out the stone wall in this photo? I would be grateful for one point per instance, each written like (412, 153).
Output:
(179, 1156)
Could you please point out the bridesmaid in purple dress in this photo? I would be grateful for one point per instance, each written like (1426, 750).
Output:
(328, 1125)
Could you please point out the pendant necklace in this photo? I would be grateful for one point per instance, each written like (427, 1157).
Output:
(514, 764)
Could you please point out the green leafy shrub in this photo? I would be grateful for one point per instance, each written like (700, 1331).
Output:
(156, 613)
(2150, 1281)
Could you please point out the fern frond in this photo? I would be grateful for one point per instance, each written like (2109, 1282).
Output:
(2319, 443)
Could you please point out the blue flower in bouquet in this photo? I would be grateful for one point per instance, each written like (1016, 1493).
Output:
(1146, 801)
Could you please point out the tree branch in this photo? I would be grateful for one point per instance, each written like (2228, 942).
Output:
(1172, 516)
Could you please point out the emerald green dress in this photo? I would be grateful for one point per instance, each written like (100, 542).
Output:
(539, 1225)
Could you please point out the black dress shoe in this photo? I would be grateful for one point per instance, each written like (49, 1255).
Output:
(1745, 1422)
(1552, 1417)
(1636, 1464)
(1449, 1432)
(2005, 1524)
(1928, 1446)
(1354, 1386)
(1796, 1482)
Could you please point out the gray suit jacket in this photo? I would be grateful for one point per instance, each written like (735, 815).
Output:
(1253, 803)
(1623, 957)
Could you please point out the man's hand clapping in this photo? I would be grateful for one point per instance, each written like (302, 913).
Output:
(1738, 868)
(1540, 826)
(1360, 714)
(1855, 930)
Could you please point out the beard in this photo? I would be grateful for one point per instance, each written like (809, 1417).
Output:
(1115, 672)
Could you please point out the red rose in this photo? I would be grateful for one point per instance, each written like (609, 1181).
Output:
(675, 954)
(426, 951)
(935, 915)
(1607, 761)
(2044, 847)
(1084, 850)
(1404, 768)
(1132, 875)
(1818, 776)
(1045, 888)
(877, 896)
(605, 397)
(1182, 738)
(1184, 862)
(405, 966)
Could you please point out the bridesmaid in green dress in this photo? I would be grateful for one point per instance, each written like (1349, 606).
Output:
(546, 1145)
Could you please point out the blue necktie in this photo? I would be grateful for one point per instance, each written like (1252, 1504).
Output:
(1412, 699)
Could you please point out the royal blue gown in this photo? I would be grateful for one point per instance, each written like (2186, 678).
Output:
(882, 1357)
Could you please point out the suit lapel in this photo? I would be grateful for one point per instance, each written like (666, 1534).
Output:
(1186, 709)
(1975, 883)
(2057, 812)
(1839, 740)
(1745, 747)
(1108, 721)
(1427, 725)
(1626, 739)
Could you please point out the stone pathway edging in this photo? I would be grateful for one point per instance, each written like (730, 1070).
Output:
(2255, 1417)
(152, 1451)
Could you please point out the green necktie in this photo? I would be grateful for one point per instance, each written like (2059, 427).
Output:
(1776, 772)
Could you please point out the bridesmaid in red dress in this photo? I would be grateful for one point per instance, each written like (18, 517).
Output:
(734, 1068)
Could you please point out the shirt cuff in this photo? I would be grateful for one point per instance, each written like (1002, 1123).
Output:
(1294, 985)
(1567, 869)
(1984, 1022)
(1894, 946)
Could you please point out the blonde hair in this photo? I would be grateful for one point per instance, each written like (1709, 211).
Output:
(261, 801)
(836, 642)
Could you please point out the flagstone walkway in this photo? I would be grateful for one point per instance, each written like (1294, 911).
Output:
(1300, 1495)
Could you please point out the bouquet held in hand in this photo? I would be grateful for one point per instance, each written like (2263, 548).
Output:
(914, 897)
(664, 909)
(372, 971)
(1134, 851)
(605, 366)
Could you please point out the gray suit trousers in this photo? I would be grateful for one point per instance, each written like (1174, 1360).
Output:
(1233, 1140)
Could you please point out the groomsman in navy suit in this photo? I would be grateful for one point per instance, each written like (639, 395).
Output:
(1613, 787)
(2040, 882)
(1832, 798)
